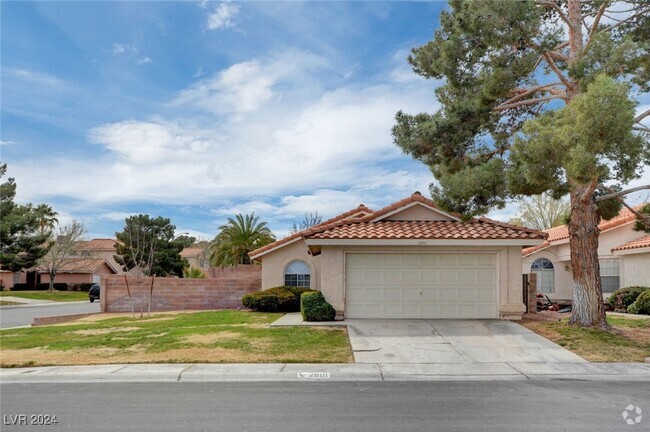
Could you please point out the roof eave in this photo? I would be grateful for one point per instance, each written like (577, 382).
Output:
(423, 242)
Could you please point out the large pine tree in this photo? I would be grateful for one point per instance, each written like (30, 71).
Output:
(538, 96)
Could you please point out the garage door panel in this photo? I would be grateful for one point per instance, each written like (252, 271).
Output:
(411, 294)
(421, 286)
(449, 277)
(392, 277)
(486, 260)
(430, 261)
(487, 276)
(468, 276)
(412, 278)
(430, 277)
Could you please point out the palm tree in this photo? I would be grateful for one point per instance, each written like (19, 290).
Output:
(240, 235)
(46, 218)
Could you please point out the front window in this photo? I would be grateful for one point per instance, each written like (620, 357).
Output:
(609, 275)
(297, 274)
(545, 272)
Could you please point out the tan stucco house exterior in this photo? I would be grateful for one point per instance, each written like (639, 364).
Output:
(624, 256)
(407, 260)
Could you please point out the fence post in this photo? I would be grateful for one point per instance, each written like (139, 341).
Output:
(532, 293)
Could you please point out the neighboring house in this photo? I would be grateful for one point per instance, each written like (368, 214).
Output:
(196, 257)
(97, 259)
(75, 271)
(624, 256)
(407, 260)
(101, 248)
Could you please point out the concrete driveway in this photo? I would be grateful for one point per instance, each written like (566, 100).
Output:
(451, 341)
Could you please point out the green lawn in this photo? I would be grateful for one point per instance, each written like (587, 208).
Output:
(202, 337)
(628, 340)
(44, 295)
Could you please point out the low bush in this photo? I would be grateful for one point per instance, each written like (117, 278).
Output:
(641, 305)
(622, 298)
(277, 299)
(314, 307)
(39, 287)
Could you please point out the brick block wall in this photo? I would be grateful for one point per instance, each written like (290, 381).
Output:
(223, 289)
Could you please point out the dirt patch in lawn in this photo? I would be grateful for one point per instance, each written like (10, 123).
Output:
(103, 331)
(624, 341)
(25, 358)
(209, 339)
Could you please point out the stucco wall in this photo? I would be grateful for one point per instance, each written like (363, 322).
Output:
(274, 264)
(417, 213)
(635, 269)
(559, 255)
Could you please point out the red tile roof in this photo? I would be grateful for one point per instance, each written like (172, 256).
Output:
(483, 229)
(88, 265)
(360, 210)
(416, 197)
(98, 244)
(357, 224)
(562, 232)
(641, 242)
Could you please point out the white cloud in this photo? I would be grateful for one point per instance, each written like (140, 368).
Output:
(116, 216)
(223, 16)
(318, 150)
(37, 78)
(144, 60)
(124, 48)
(247, 86)
(6, 142)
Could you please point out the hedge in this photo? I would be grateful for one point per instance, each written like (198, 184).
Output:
(314, 307)
(276, 299)
(622, 298)
(39, 287)
(641, 305)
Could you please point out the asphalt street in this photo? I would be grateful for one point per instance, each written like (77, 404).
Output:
(15, 316)
(321, 406)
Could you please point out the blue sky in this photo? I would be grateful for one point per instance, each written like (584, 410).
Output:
(199, 110)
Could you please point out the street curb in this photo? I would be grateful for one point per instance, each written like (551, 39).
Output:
(54, 303)
(289, 372)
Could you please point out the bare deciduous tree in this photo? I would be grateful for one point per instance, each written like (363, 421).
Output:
(63, 250)
(542, 212)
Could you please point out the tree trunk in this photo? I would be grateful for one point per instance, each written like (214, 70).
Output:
(51, 287)
(588, 307)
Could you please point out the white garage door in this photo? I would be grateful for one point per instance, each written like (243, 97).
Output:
(421, 286)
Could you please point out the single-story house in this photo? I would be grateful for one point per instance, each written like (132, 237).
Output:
(75, 271)
(624, 256)
(407, 260)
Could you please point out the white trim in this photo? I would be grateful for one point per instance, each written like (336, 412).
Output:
(275, 248)
(639, 250)
(421, 242)
(407, 206)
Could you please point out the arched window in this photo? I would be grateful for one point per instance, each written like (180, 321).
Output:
(297, 274)
(545, 272)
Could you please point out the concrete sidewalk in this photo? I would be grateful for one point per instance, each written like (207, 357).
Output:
(26, 301)
(330, 372)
